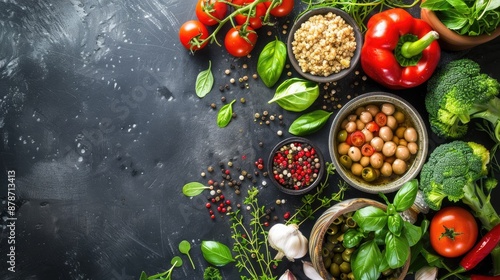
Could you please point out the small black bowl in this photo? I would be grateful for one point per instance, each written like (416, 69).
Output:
(316, 158)
(354, 60)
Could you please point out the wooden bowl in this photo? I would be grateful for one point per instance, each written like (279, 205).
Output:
(319, 230)
(451, 40)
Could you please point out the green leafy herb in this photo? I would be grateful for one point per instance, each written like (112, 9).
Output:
(250, 241)
(466, 17)
(193, 188)
(211, 273)
(360, 10)
(271, 62)
(392, 239)
(204, 81)
(216, 253)
(185, 247)
(312, 203)
(296, 94)
(225, 114)
(309, 122)
(166, 275)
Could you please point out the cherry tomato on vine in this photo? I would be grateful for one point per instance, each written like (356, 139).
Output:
(191, 34)
(282, 9)
(255, 20)
(210, 12)
(240, 42)
(453, 231)
(357, 138)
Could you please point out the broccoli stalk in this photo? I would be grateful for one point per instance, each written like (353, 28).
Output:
(458, 171)
(459, 92)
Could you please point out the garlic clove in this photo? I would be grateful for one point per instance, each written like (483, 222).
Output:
(310, 271)
(426, 273)
(287, 276)
(288, 241)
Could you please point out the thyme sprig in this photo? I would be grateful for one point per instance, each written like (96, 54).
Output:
(306, 211)
(250, 241)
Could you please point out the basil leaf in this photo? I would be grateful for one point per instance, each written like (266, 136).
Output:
(395, 224)
(296, 94)
(460, 6)
(216, 253)
(366, 260)
(492, 5)
(352, 238)
(436, 5)
(370, 218)
(412, 233)
(143, 276)
(405, 197)
(204, 81)
(309, 123)
(193, 188)
(397, 250)
(271, 62)
(225, 114)
(176, 261)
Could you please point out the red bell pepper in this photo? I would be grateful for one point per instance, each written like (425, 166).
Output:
(399, 51)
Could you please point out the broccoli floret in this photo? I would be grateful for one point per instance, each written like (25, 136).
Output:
(459, 92)
(456, 171)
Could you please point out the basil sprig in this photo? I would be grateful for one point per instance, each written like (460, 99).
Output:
(271, 62)
(309, 122)
(204, 81)
(391, 237)
(296, 94)
(216, 253)
(225, 114)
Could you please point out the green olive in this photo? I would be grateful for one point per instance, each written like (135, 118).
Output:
(346, 255)
(350, 222)
(350, 276)
(325, 252)
(338, 248)
(342, 136)
(337, 258)
(346, 161)
(343, 276)
(332, 229)
(369, 174)
(334, 270)
(345, 267)
(327, 262)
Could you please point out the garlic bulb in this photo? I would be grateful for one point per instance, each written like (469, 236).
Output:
(426, 273)
(288, 241)
(310, 271)
(287, 276)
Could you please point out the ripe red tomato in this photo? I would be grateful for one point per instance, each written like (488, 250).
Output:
(381, 119)
(357, 138)
(282, 9)
(191, 34)
(372, 126)
(255, 20)
(210, 12)
(367, 150)
(453, 231)
(239, 42)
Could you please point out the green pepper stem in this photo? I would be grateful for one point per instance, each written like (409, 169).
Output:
(410, 49)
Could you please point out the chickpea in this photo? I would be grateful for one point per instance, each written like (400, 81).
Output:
(400, 131)
(373, 109)
(377, 143)
(388, 108)
(389, 149)
(385, 133)
(403, 142)
(351, 126)
(395, 139)
(343, 148)
(364, 161)
(412, 147)
(410, 134)
(391, 122)
(352, 117)
(386, 169)
(368, 135)
(344, 123)
(360, 110)
(366, 117)
(360, 124)
(390, 159)
(354, 153)
(400, 117)
(399, 166)
(376, 160)
(356, 169)
(402, 152)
